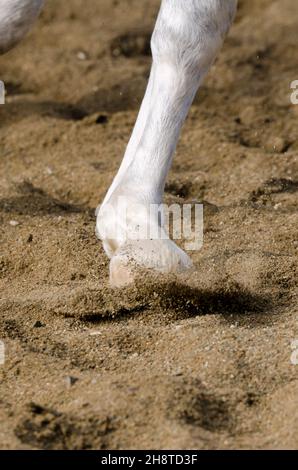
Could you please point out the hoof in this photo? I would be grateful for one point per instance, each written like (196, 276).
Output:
(161, 256)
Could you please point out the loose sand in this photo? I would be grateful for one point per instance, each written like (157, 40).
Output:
(200, 362)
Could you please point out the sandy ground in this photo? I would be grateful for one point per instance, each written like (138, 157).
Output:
(201, 362)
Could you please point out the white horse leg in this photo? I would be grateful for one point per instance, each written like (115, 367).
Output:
(16, 18)
(185, 42)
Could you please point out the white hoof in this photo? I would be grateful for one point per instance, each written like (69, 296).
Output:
(158, 255)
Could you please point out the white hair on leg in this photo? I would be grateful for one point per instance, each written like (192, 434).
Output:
(185, 42)
(16, 19)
